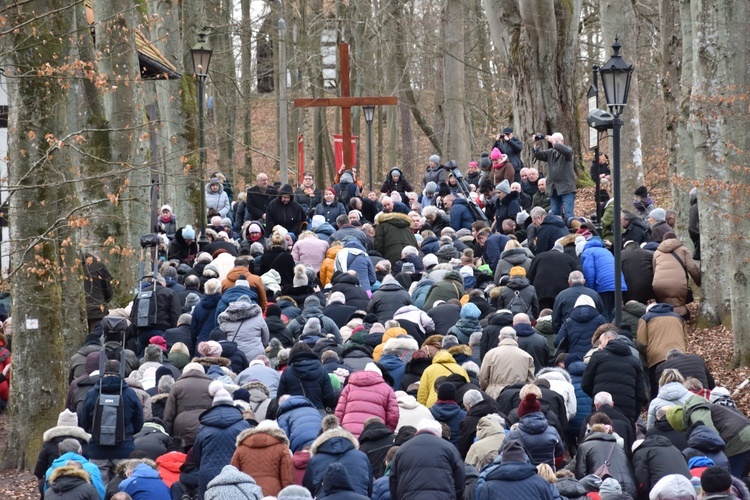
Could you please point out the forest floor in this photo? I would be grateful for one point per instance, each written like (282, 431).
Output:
(714, 345)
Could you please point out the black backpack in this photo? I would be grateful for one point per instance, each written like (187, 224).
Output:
(108, 426)
(517, 304)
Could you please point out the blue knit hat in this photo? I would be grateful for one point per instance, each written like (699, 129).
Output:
(470, 311)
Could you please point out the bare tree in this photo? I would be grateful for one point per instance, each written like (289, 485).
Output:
(456, 134)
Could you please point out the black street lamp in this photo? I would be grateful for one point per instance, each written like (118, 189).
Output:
(201, 54)
(616, 75)
(369, 116)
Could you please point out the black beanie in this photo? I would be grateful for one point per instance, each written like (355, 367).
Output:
(447, 392)
(217, 334)
(273, 310)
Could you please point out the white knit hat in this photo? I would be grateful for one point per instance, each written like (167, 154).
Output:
(372, 367)
(67, 419)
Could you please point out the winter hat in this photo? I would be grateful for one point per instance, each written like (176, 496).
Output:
(217, 335)
(512, 451)
(485, 163)
(507, 130)
(610, 488)
(466, 271)
(210, 349)
(188, 232)
(312, 327)
(658, 214)
(517, 271)
(254, 228)
(521, 217)
(312, 301)
(273, 310)
(435, 159)
(222, 396)
(430, 187)
(166, 207)
(372, 367)
(286, 189)
(446, 392)
(470, 310)
(674, 417)
(211, 271)
(162, 371)
(496, 154)
(193, 367)
(641, 191)
(673, 487)
(377, 328)
(159, 341)
(503, 187)
(191, 301)
(717, 393)
(571, 358)
(317, 221)
(271, 280)
(294, 492)
(693, 194)
(346, 178)
(241, 281)
(226, 221)
(473, 164)
(430, 260)
(584, 300)
(700, 462)
(67, 419)
(243, 394)
(530, 404)
(300, 276)
(448, 341)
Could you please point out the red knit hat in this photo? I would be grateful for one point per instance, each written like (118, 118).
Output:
(529, 405)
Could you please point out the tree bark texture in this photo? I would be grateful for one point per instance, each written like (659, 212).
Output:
(456, 142)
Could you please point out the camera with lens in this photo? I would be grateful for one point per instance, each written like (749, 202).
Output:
(539, 137)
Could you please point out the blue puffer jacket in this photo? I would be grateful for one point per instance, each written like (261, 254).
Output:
(577, 330)
(419, 295)
(511, 481)
(493, 249)
(204, 318)
(300, 420)
(145, 483)
(540, 440)
(231, 295)
(704, 441)
(381, 489)
(359, 262)
(338, 445)
(430, 245)
(461, 216)
(583, 400)
(305, 376)
(598, 265)
(216, 441)
(450, 414)
(396, 369)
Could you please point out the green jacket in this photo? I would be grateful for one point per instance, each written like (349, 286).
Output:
(608, 221)
(450, 287)
(733, 427)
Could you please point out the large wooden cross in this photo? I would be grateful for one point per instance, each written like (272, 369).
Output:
(345, 102)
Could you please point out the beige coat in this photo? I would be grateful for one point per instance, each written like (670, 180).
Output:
(506, 364)
(660, 335)
(490, 437)
(670, 285)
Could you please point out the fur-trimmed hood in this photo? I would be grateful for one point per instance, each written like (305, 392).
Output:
(396, 218)
(460, 349)
(566, 240)
(398, 343)
(69, 470)
(239, 310)
(120, 468)
(65, 431)
(210, 361)
(255, 386)
(274, 432)
(158, 397)
(554, 373)
(332, 429)
(436, 339)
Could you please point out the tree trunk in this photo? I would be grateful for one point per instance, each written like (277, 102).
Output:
(621, 21)
(46, 276)
(247, 85)
(538, 40)
(456, 134)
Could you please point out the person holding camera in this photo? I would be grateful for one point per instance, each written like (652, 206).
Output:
(561, 178)
(510, 145)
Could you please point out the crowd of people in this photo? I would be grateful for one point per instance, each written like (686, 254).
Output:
(454, 342)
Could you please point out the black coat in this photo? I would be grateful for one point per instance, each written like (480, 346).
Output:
(663, 429)
(444, 316)
(491, 332)
(467, 431)
(655, 458)
(566, 301)
(553, 406)
(620, 423)
(179, 334)
(257, 202)
(277, 330)
(689, 365)
(526, 292)
(168, 310)
(339, 312)
(636, 231)
(353, 292)
(549, 273)
(552, 229)
(305, 376)
(638, 269)
(507, 208)
(289, 215)
(427, 468)
(387, 300)
(533, 343)
(462, 387)
(615, 370)
(180, 250)
(595, 450)
(152, 441)
(375, 441)
(97, 285)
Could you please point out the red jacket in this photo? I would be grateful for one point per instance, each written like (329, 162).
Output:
(366, 395)
(4, 361)
(169, 466)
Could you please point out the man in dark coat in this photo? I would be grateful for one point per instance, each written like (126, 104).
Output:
(550, 228)
(566, 299)
(97, 285)
(337, 309)
(510, 145)
(284, 211)
(620, 423)
(156, 316)
(392, 234)
(634, 228)
(427, 467)
(655, 458)
(375, 440)
(258, 197)
(192, 285)
(511, 476)
(689, 365)
(445, 316)
(530, 341)
(180, 333)
(638, 269)
(354, 294)
(389, 298)
(477, 405)
(615, 370)
(549, 272)
(561, 177)
(183, 247)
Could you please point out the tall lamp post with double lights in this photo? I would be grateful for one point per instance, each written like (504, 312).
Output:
(369, 116)
(616, 75)
(201, 54)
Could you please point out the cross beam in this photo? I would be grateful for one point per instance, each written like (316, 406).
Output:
(345, 102)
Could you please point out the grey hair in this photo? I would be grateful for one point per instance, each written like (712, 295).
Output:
(475, 338)
(672, 353)
(507, 332)
(430, 211)
(212, 286)
(521, 318)
(165, 384)
(576, 278)
(537, 212)
(294, 492)
(603, 398)
(392, 323)
(473, 398)
(69, 445)
(409, 250)
(184, 319)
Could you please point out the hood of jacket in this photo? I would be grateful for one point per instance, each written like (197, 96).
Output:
(518, 282)
(511, 471)
(669, 245)
(661, 308)
(704, 438)
(307, 366)
(501, 318)
(332, 252)
(239, 310)
(365, 379)
(293, 403)
(654, 441)
(554, 373)
(65, 431)
(489, 425)
(443, 357)
(375, 432)
(354, 243)
(221, 416)
(454, 276)
(395, 219)
(345, 278)
(515, 256)
(334, 442)
(672, 391)
(583, 314)
(524, 330)
(262, 438)
(390, 286)
(259, 392)
(231, 476)
(594, 242)
(335, 480)
(577, 368)
(618, 348)
(554, 220)
(533, 423)
(406, 401)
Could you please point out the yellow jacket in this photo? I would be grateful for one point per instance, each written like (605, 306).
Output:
(443, 365)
